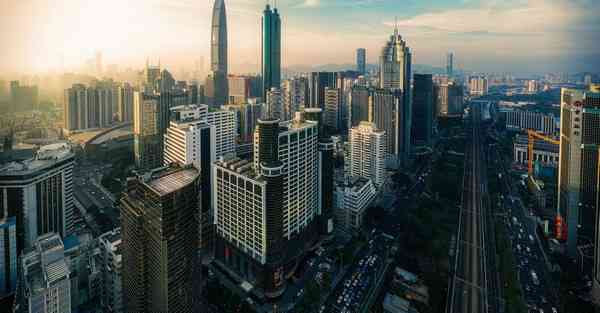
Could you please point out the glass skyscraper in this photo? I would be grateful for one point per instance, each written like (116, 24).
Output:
(271, 49)
(218, 53)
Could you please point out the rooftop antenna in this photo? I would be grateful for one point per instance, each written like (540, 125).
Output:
(396, 26)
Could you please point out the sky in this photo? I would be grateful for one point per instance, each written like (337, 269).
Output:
(485, 35)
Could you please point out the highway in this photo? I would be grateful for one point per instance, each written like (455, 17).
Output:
(468, 289)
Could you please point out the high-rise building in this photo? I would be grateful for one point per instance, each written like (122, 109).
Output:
(361, 61)
(239, 90)
(359, 105)
(159, 227)
(450, 64)
(151, 76)
(578, 169)
(333, 110)
(125, 102)
(8, 253)
(39, 193)
(450, 99)
(110, 245)
(225, 124)
(386, 111)
(532, 86)
(423, 107)
(395, 66)
(271, 49)
(91, 106)
(218, 50)
(47, 277)
(295, 95)
(367, 153)
(317, 84)
(23, 98)
(146, 131)
(247, 116)
(274, 104)
(351, 201)
(478, 86)
(263, 240)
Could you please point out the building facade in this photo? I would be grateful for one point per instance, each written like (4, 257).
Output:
(295, 95)
(111, 261)
(423, 108)
(361, 61)
(546, 153)
(8, 253)
(271, 49)
(520, 120)
(351, 201)
(225, 125)
(218, 55)
(449, 99)
(368, 153)
(159, 227)
(478, 86)
(38, 192)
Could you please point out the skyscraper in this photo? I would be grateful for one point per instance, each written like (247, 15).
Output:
(8, 253)
(146, 131)
(423, 103)
(450, 64)
(159, 221)
(359, 105)
(317, 84)
(450, 99)
(218, 52)
(39, 193)
(294, 95)
(478, 86)
(367, 153)
(125, 102)
(395, 66)
(333, 110)
(274, 104)
(239, 89)
(361, 61)
(578, 169)
(271, 49)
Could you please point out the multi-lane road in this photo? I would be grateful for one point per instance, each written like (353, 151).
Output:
(470, 283)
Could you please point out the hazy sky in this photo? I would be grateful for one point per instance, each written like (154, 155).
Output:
(486, 35)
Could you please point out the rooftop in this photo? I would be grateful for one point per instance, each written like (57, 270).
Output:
(45, 156)
(393, 303)
(240, 166)
(172, 180)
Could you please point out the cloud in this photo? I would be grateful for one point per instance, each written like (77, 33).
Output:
(310, 4)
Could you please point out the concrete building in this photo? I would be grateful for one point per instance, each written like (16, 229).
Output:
(247, 116)
(450, 99)
(544, 152)
(46, 276)
(125, 102)
(351, 200)
(8, 254)
(146, 131)
(478, 85)
(88, 107)
(359, 106)
(274, 103)
(333, 110)
(38, 192)
(579, 140)
(318, 81)
(295, 95)
(159, 227)
(111, 262)
(361, 61)
(225, 124)
(239, 90)
(368, 153)
(271, 50)
(522, 120)
(532, 86)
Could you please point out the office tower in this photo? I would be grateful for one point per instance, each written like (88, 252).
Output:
(247, 116)
(8, 253)
(47, 277)
(352, 198)
(395, 66)
(239, 89)
(333, 110)
(38, 192)
(274, 104)
(361, 61)
(386, 112)
(219, 63)
(478, 85)
(271, 50)
(283, 181)
(422, 130)
(159, 228)
(450, 99)
(450, 64)
(359, 105)
(151, 76)
(317, 84)
(225, 124)
(166, 83)
(294, 95)
(326, 171)
(367, 153)
(146, 131)
(125, 102)
(577, 178)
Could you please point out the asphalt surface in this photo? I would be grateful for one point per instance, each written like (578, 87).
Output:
(469, 286)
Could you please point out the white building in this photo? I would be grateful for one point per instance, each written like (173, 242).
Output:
(478, 86)
(367, 152)
(46, 276)
(187, 141)
(41, 189)
(225, 131)
(351, 200)
(293, 92)
(518, 120)
(111, 262)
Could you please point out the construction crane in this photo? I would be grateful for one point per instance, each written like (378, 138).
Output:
(531, 136)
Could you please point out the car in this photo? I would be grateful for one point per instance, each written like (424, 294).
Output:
(554, 310)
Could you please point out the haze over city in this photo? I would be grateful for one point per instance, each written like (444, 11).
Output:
(545, 35)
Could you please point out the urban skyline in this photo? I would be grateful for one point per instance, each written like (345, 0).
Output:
(559, 32)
